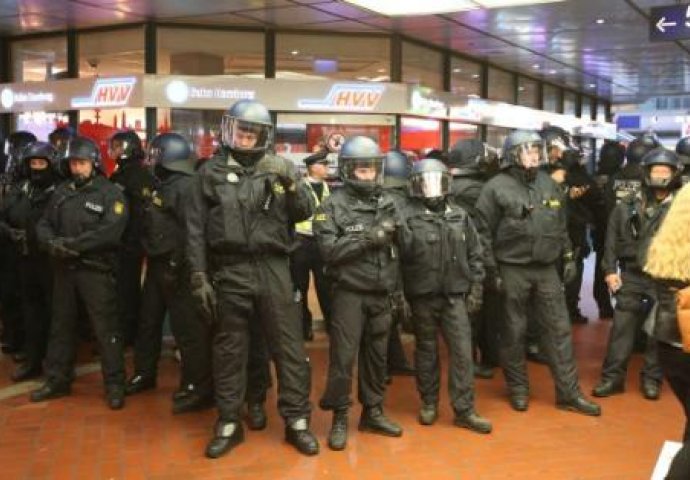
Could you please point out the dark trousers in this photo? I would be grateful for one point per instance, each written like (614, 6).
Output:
(633, 302)
(429, 314)
(259, 291)
(676, 366)
(10, 297)
(37, 289)
(540, 287)
(572, 289)
(360, 324)
(305, 259)
(396, 351)
(485, 329)
(600, 290)
(130, 263)
(97, 291)
(166, 290)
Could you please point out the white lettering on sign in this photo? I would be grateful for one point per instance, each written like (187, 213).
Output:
(346, 97)
(179, 92)
(9, 97)
(107, 92)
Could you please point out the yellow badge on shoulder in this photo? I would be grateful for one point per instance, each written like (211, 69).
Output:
(320, 217)
(146, 192)
(553, 203)
(118, 208)
(278, 189)
(158, 201)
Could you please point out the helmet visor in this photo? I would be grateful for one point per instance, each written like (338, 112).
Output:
(430, 184)
(364, 170)
(529, 155)
(245, 136)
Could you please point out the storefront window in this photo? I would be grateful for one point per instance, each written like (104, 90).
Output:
(40, 123)
(495, 136)
(601, 111)
(462, 131)
(528, 92)
(342, 57)
(419, 135)
(501, 86)
(422, 66)
(39, 59)
(200, 127)
(115, 52)
(465, 77)
(551, 98)
(569, 103)
(208, 52)
(100, 125)
(586, 108)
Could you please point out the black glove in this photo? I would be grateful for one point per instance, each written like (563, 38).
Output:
(569, 271)
(277, 166)
(57, 249)
(494, 282)
(204, 295)
(474, 298)
(401, 312)
(382, 234)
(18, 235)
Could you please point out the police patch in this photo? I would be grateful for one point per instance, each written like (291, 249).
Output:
(158, 201)
(118, 208)
(278, 189)
(94, 207)
(320, 217)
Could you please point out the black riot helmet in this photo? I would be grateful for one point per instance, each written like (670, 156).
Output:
(560, 145)
(247, 131)
(357, 154)
(524, 149)
(396, 167)
(430, 179)
(661, 156)
(683, 151)
(611, 158)
(125, 146)
(172, 152)
(472, 158)
(15, 144)
(44, 151)
(59, 137)
(82, 148)
(639, 147)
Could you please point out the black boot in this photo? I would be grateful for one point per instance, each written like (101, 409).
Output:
(428, 414)
(26, 371)
(651, 389)
(472, 421)
(139, 383)
(227, 436)
(256, 416)
(50, 390)
(606, 388)
(484, 372)
(299, 436)
(192, 402)
(519, 402)
(373, 420)
(337, 437)
(580, 405)
(115, 397)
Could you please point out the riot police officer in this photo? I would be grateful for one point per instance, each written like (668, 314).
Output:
(632, 225)
(166, 285)
(471, 163)
(442, 263)
(524, 219)
(24, 206)
(306, 258)
(136, 183)
(355, 228)
(241, 209)
(683, 151)
(397, 167)
(81, 230)
(10, 293)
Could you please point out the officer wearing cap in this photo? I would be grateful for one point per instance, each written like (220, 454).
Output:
(306, 258)
(81, 230)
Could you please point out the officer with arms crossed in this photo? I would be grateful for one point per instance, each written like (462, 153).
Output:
(243, 204)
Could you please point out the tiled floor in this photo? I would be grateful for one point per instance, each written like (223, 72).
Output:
(78, 438)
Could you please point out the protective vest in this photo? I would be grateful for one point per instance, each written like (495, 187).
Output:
(305, 227)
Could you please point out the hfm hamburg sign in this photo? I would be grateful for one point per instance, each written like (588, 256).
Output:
(107, 92)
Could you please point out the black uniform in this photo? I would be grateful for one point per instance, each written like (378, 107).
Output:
(441, 257)
(239, 221)
(363, 276)
(91, 220)
(631, 228)
(527, 230)
(166, 289)
(136, 182)
(23, 208)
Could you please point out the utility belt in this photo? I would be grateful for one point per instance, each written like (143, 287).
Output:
(226, 259)
(100, 264)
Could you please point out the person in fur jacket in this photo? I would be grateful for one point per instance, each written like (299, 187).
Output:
(668, 262)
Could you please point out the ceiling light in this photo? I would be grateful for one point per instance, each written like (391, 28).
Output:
(415, 7)
(553, 72)
(601, 21)
(476, 75)
(381, 70)
(457, 70)
(535, 66)
(592, 85)
(295, 52)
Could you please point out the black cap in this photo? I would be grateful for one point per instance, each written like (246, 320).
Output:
(319, 157)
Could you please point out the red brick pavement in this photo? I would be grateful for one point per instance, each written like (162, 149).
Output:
(78, 438)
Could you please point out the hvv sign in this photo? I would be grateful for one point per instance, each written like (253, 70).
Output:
(107, 92)
(349, 97)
